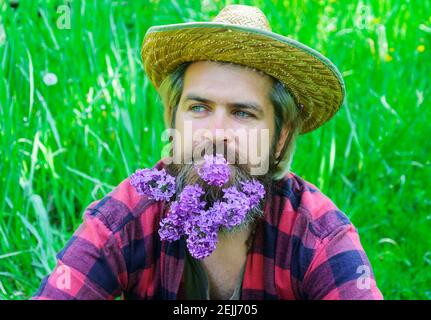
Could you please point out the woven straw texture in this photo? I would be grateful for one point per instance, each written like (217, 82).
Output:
(242, 35)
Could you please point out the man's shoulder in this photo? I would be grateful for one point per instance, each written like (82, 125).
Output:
(122, 206)
(307, 205)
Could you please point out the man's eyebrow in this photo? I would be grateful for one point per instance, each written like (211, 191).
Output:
(239, 105)
(197, 98)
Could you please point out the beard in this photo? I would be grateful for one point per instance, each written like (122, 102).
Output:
(186, 174)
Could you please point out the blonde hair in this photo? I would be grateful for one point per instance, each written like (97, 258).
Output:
(286, 113)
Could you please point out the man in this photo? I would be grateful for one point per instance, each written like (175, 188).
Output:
(218, 80)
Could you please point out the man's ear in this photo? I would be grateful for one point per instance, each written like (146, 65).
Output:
(281, 141)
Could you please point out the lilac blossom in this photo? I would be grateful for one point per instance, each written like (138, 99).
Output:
(157, 184)
(188, 215)
(201, 235)
(215, 170)
(189, 199)
(237, 206)
(254, 191)
(202, 245)
(189, 204)
(169, 230)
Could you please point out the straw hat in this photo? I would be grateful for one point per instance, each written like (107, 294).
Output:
(242, 35)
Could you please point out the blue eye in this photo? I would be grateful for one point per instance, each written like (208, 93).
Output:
(243, 114)
(198, 108)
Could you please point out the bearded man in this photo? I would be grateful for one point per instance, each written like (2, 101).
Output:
(220, 82)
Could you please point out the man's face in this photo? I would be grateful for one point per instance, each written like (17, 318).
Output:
(219, 104)
(230, 104)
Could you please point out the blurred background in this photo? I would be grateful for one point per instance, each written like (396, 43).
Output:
(78, 115)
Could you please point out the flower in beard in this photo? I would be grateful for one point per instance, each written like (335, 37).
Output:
(201, 230)
(254, 191)
(201, 246)
(215, 170)
(181, 211)
(237, 205)
(188, 215)
(169, 229)
(157, 184)
(190, 199)
(219, 213)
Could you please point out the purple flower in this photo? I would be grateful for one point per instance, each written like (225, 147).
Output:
(254, 191)
(168, 230)
(237, 204)
(218, 213)
(189, 199)
(171, 227)
(176, 216)
(201, 242)
(182, 211)
(215, 170)
(189, 215)
(156, 184)
(202, 228)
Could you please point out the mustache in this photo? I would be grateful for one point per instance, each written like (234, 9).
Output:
(206, 147)
(186, 174)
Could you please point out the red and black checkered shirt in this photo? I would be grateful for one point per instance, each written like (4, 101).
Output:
(304, 247)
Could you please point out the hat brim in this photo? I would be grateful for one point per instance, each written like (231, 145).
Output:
(312, 79)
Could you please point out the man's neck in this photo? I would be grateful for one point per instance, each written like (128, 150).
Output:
(231, 245)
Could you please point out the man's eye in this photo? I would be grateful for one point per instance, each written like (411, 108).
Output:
(243, 114)
(198, 108)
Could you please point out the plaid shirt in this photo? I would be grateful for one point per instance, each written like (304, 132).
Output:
(304, 247)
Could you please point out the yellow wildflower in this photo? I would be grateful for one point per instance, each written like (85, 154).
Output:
(420, 48)
(388, 57)
(376, 20)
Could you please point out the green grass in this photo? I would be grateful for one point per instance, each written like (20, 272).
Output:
(65, 145)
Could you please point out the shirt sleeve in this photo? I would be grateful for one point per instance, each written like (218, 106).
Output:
(340, 269)
(88, 267)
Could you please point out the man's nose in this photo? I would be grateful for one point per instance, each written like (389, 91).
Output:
(220, 123)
